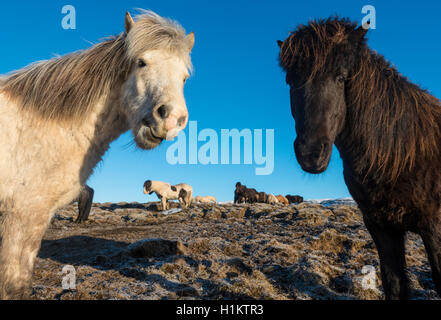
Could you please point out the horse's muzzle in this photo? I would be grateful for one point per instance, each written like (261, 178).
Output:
(166, 121)
(313, 157)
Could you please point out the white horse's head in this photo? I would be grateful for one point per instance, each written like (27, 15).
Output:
(153, 95)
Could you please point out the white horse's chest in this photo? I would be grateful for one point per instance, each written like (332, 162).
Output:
(45, 160)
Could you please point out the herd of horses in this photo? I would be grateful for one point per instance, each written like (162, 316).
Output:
(58, 118)
(184, 194)
(242, 194)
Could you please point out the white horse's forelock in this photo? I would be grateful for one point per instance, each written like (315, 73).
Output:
(152, 31)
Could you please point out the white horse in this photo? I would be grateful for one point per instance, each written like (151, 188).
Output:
(58, 117)
(165, 191)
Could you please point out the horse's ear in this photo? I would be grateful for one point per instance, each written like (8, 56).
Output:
(190, 39)
(280, 43)
(359, 33)
(129, 22)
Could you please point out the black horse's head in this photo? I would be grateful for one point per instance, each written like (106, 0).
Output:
(319, 60)
(147, 187)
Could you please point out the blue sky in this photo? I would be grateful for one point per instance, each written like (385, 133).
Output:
(237, 82)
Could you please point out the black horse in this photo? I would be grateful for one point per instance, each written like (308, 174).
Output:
(388, 132)
(294, 199)
(242, 194)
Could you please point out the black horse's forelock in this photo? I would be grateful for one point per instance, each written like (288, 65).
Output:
(311, 45)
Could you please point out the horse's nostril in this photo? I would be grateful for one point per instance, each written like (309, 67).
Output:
(181, 121)
(164, 111)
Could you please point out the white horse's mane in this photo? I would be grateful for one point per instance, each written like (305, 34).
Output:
(67, 87)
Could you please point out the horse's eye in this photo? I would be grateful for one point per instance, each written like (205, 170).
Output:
(141, 63)
(341, 79)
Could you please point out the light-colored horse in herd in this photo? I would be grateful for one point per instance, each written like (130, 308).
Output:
(207, 199)
(58, 118)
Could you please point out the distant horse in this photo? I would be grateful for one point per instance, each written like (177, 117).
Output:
(294, 199)
(239, 195)
(388, 132)
(263, 197)
(242, 194)
(282, 199)
(272, 199)
(207, 199)
(165, 191)
(58, 118)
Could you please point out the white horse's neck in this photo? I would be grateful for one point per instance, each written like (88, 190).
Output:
(102, 127)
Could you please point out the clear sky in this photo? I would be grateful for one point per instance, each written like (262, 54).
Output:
(237, 82)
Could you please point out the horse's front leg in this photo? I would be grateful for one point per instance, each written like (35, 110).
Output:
(164, 203)
(84, 204)
(390, 246)
(182, 203)
(22, 231)
(431, 235)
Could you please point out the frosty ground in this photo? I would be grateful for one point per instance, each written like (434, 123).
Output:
(226, 251)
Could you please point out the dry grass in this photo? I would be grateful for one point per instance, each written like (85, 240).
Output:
(225, 252)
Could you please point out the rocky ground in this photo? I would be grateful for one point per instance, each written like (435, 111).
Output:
(259, 251)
